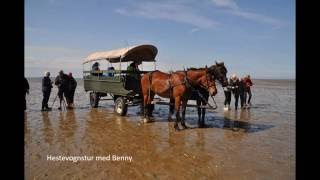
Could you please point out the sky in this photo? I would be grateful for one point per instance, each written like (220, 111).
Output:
(250, 37)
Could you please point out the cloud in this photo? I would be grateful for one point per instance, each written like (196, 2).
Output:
(225, 4)
(259, 18)
(233, 8)
(194, 30)
(171, 11)
(185, 12)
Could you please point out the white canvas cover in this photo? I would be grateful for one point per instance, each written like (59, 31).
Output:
(144, 52)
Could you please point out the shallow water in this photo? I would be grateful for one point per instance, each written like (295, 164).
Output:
(246, 144)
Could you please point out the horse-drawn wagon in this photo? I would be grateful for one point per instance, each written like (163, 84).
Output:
(123, 88)
(127, 90)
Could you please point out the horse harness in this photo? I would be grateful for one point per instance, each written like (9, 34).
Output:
(187, 84)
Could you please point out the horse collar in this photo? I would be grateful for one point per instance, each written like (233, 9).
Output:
(186, 80)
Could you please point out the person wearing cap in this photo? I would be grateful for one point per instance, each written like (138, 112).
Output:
(72, 89)
(62, 82)
(234, 84)
(248, 84)
(46, 91)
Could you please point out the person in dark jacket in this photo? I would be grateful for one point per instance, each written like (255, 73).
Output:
(133, 70)
(242, 93)
(72, 89)
(26, 88)
(227, 95)
(62, 82)
(96, 68)
(234, 84)
(46, 91)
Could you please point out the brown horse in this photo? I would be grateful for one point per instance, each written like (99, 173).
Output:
(202, 96)
(176, 86)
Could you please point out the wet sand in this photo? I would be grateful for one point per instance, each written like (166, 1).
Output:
(246, 144)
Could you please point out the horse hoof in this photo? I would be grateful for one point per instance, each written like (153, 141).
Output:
(185, 127)
(145, 120)
(176, 128)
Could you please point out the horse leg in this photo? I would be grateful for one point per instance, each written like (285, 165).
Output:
(203, 115)
(184, 108)
(199, 113)
(145, 107)
(171, 106)
(151, 106)
(177, 107)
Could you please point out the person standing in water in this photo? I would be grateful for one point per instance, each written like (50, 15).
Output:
(242, 93)
(46, 91)
(72, 89)
(227, 97)
(248, 84)
(234, 84)
(62, 82)
(26, 88)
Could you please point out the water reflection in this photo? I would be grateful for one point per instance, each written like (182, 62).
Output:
(71, 120)
(47, 130)
(119, 123)
(245, 115)
(200, 141)
(171, 134)
(236, 123)
(26, 127)
(66, 129)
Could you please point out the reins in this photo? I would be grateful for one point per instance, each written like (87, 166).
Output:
(204, 99)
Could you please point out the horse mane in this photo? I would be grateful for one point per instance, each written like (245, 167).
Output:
(195, 69)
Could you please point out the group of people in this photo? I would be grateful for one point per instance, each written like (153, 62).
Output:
(66, 88)
(132, 70)
(238, 88)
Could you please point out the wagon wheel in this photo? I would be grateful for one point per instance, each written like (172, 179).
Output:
(120, 106)
(94, 99)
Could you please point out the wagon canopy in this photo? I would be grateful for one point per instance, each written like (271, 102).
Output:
(144, 52)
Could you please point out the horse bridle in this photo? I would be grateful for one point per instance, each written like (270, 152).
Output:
(207, 89)
(207, 81)
(219, 79)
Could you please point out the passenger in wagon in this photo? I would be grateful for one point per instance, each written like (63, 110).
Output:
(111, 74)
(133, 70)
(95, 67)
